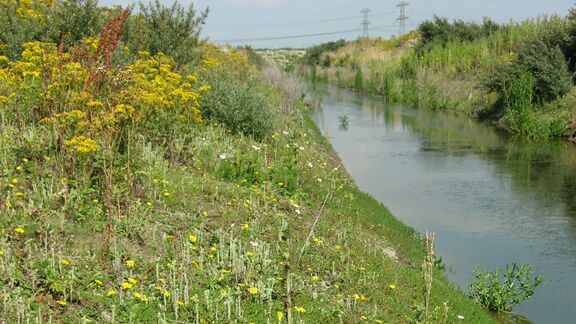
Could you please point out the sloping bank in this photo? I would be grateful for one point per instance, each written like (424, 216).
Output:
(197, 221)
(517, 76)
(371, 261)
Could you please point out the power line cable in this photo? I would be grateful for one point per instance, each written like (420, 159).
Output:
(297, 36)
(294, 23)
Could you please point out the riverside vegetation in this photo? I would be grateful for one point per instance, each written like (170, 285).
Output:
(516, 75)
(148, 176)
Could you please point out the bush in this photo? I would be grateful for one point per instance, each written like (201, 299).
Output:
(487, 290)
(240, 106)
(441, 31)
(549, 68)
(46, 21)
(314, 54)
(173, 30)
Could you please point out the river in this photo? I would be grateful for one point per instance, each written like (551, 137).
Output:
(491, 199)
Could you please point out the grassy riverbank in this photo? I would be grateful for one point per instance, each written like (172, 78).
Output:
(142, 183)
(468, 67)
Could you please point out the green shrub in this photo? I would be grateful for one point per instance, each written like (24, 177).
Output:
(172, 30)
(441, 31)
(314, 54)
(487, 289)
(549, 68)
(240, 106)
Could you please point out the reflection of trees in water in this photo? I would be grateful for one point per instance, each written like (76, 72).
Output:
(547, 169)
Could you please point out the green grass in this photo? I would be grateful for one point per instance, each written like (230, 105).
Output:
(248, 228)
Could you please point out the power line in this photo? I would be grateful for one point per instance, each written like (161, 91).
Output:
(299, 36)
(286, 23)
(286, 37)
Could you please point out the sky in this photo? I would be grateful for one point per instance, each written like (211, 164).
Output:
(255, 22)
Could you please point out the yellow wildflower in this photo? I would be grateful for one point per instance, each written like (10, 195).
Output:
(132, 280)
(111, 293)
(61, 302)
(98, 282)
(253, 290)
(204, 87)
(249, 254)
(126, 285)
(130, 263)
(19, 230)
(280, 314)
(359, 297)
(245, 226)
(139, 296)
(82, 144)
(179, 302)
(315, 278)
(192, 238)
(392, 286)
(64, 262)
(299, 309)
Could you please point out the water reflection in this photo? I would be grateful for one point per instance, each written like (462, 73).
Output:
(491, 199)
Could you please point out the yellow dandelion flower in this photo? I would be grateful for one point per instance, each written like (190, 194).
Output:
(19, 230)
(166, 293)
(132, 280)
(253, 290)
(111, 293)
(280, 315)
(179, 302)
(192, 238)
(126, 285)
(363, 317)
(61, 302)
(166, 194)
(315, 278)
(98, 282)
(14, 181)
(245, 226)
(392, 286)
(1, 252)
(249, 254)
(64, 262)
(130, 263)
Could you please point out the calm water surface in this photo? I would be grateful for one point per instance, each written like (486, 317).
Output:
(490, 199)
